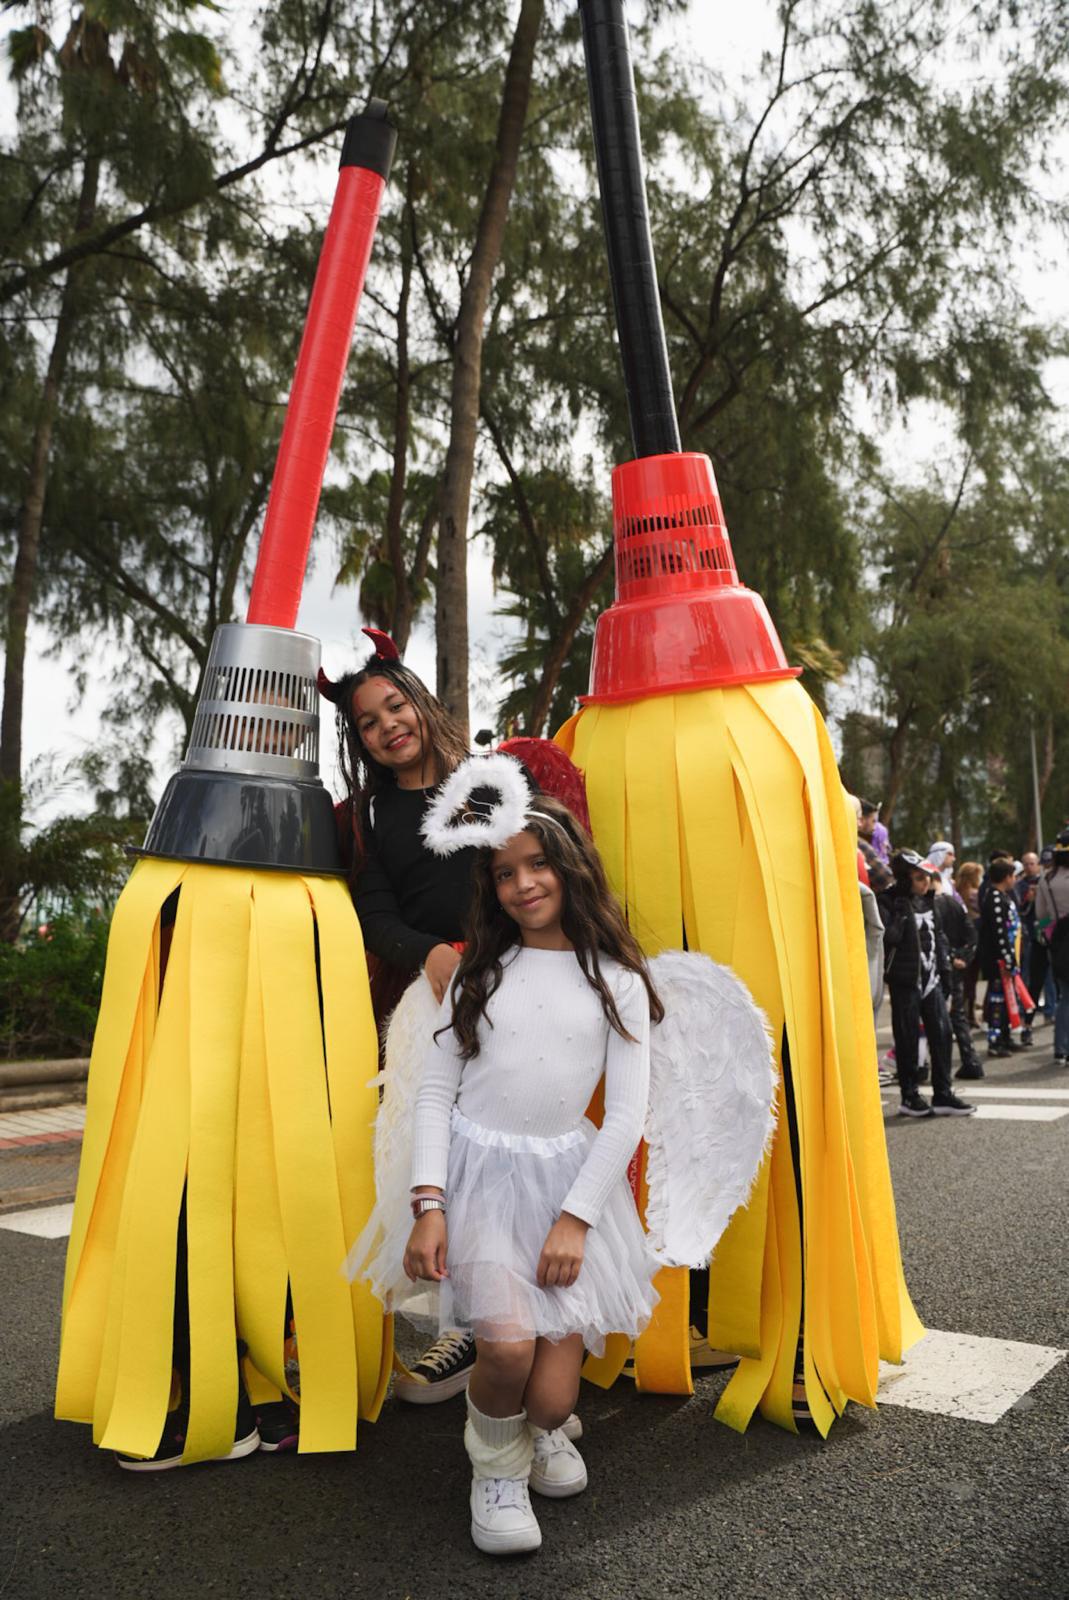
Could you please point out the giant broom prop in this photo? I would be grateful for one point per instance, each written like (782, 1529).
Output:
(236, 1088)
(716, 803)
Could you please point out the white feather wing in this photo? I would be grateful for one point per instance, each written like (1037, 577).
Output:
(378, 1251)
(712, 1105)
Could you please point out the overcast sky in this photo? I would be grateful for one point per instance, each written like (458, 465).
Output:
(728, 37)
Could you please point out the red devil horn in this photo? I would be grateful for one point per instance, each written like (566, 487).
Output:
(385, 648)
(327, 687)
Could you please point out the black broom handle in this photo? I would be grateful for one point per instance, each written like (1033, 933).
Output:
(614, 110)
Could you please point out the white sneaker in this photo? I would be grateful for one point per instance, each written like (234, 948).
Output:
(502, 1522)
(572, 1428)
(558, 1470)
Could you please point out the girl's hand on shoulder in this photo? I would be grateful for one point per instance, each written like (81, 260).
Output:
(439, 967)
(562, 1253)
(425, 1252)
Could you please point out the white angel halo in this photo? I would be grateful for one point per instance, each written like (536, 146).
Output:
(494, 827)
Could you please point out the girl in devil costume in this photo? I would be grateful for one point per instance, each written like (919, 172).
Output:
(396, 743)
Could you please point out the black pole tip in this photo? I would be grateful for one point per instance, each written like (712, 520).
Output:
(370, 140)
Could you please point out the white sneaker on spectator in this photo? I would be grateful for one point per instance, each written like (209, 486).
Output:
(502, 1522)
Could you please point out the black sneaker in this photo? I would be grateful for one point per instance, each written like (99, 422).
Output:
(973, 1070)
(171, 1445)
(278, 1422)
(998, 1052)
(1026, 1039)
(914, 1105)
(949, 1105)
(441, 1372)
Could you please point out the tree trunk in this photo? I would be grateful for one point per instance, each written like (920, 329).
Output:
(896, 751)
(24, 575)
(451, 599)
(563, 643)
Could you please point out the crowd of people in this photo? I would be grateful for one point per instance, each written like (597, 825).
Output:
(937, 928)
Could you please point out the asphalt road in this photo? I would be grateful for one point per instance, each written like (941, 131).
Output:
(899, 1504)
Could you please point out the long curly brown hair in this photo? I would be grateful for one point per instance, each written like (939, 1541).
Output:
(591, 919)
(443, 745)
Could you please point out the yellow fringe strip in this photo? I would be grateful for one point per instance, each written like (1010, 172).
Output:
(233, 1092)
(721, 811)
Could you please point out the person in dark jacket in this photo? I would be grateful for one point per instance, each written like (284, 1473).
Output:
(999, 929)
(917, 967)
(959, 931)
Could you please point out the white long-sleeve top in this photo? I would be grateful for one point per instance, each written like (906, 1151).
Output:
(537, 1067)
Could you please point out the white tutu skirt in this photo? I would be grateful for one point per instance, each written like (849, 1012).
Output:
(504, 1192)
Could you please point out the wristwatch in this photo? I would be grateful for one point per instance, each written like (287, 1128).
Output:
(427, 1202)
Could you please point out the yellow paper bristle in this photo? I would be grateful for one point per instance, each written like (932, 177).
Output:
(720, 811)
(235, 1091)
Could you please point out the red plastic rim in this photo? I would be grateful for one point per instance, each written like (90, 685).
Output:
(681, 619)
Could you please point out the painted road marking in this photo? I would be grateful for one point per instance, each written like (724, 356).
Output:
(47, 1222)
(991, 1091)
(963, 1375)
(1019, 1113)
(996, 1113)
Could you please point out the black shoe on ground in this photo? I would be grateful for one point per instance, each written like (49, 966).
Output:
(972, 1070)
(914, 1105)
(949, 1105)
(278, 1422)
(998, 1052)
(1061, 1061)
(1026, 1039)
(171, 1445)
(441, 1372)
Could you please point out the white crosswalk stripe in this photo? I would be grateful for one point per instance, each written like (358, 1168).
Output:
(963, 1375)
(46, 1222)
(1020, 1113)
(1009, 1091)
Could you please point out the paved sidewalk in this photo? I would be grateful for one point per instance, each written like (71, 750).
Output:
(39, 1155)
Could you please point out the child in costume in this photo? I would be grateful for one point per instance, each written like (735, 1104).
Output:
(917, 968)
(545, 1250)
(523, 1215)
(396, 744)
(1000, 927)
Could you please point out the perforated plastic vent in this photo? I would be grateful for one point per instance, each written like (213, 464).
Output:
(258, 710)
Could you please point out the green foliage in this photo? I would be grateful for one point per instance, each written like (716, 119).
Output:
(50, 986)
(968, 646)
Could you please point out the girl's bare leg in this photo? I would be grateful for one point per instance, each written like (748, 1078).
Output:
(553, 1385)
(500, 1375)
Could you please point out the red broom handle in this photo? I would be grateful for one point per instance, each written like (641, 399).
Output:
(320, 371)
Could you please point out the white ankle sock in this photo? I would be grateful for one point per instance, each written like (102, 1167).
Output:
(498, 1447)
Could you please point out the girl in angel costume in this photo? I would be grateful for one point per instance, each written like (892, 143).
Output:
(523, 1216)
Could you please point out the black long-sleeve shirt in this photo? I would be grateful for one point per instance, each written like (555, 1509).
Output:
(407, 898)
(996, 940)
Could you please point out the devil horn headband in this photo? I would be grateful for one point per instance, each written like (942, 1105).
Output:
(385, 650)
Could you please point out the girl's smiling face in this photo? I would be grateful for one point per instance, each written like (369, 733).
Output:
(529, 891)
(390, 729)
